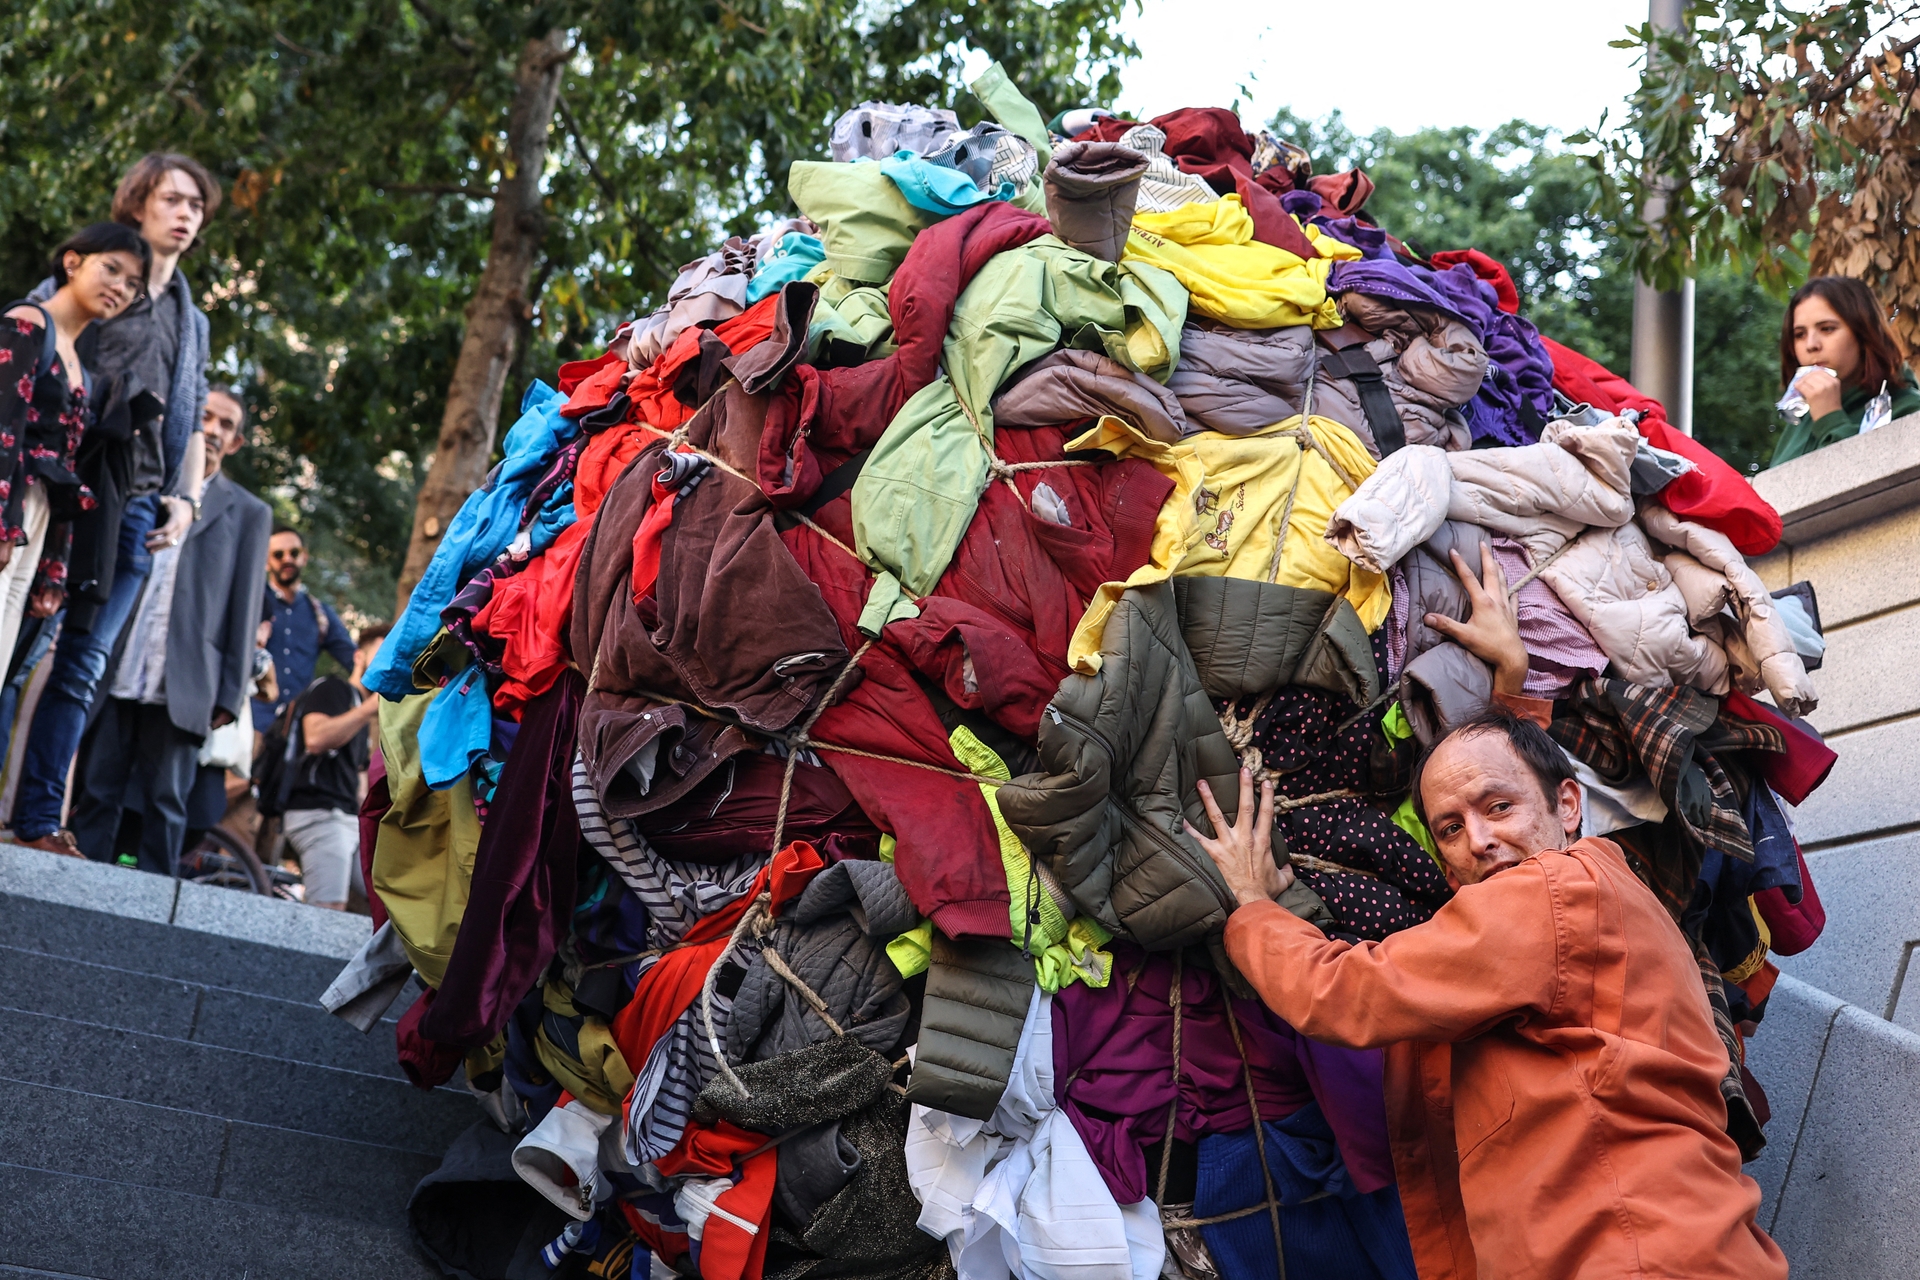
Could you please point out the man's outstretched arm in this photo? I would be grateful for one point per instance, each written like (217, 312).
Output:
(1488, 954)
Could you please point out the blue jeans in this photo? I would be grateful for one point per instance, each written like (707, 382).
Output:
(79, 663)
(37, 636)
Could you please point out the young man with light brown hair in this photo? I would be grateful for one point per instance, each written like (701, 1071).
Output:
(157, 346)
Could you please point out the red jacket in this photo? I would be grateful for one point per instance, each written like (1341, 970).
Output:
(1713, 494)
(991, 637)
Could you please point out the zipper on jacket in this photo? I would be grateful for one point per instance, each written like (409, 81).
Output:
(1166, 842)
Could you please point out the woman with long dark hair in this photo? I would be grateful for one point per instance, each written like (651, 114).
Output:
(1836, 331)
(45, 409)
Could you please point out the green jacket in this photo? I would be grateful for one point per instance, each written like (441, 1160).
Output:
(1804, 435)
(423, 855)
(917, 492)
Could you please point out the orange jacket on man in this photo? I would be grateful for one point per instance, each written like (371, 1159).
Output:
(1552, 1079)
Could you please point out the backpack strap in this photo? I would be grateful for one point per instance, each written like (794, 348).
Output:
(49, 345)
(322, 624)
(1357, 365)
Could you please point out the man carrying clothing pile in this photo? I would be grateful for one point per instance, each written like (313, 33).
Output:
(322, 823)
(1552, 1068)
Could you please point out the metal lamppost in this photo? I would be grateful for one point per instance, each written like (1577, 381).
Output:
(1663, 320)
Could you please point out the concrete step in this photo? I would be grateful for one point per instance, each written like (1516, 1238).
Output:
(188, 908)
(138, 1143)
(165, 950)
(174, 1101)
(72, 1226)
(231, 1084)
(200, 1011)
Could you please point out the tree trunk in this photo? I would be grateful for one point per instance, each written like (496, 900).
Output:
(495, 314)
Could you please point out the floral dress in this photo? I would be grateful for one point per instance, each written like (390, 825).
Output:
(42, 422)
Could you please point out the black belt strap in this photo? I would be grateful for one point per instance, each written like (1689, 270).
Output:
(1357, 366)
(836, 482)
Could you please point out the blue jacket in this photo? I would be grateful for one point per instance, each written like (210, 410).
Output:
(476, 536)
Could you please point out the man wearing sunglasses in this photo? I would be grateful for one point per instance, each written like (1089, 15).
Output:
(304, 626)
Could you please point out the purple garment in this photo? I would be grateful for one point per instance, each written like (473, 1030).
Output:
(560, 473)
(467, 602)
(521, 902)
(1462, 293)
(1395, 281)
(1370, 240)
(1113, 1048)
(1516, 398)
(1302, 204)
(1399, 617)
(1559, 649)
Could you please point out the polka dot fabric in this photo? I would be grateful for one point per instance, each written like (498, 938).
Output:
(1394, 884)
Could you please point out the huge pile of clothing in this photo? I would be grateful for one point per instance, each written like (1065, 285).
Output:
(786, 758)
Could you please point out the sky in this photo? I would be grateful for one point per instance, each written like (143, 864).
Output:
(1395, 63)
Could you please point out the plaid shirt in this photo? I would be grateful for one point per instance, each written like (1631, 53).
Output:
(1743, 1124)
(1678, 737)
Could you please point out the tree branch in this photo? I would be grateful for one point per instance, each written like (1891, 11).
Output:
(443, 24)
(437, 189)
(1839, 88)
(586, 157)
(302, 50)
(733, 13)
(600, 179)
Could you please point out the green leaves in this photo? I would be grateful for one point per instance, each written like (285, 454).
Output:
(357, 140)
(1744, 130)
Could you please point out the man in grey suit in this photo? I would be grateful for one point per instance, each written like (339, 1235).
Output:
(185, 663)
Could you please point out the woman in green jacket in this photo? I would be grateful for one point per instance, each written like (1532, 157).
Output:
(1835, 324)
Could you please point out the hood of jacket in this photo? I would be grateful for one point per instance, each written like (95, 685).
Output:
(1247, 638)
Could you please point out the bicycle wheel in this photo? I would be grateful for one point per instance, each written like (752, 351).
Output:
(226, 842)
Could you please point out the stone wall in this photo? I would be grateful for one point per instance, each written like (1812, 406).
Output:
(1837, 1054)
(1852, 517)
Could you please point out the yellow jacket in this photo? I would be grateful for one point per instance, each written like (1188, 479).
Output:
(1223, 520)
(1233, 278)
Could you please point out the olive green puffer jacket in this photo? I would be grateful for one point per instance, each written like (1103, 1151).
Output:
(1123, 750)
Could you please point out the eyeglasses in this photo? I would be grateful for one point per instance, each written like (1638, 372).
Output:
(284, 555)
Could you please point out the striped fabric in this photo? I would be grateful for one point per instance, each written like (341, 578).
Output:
(675, 894)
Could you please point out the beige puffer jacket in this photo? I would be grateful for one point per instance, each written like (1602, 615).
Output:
(1568, 498)
(1714, 577)
(1541, 494)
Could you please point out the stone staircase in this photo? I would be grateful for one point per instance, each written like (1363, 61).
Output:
(173, 1100)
